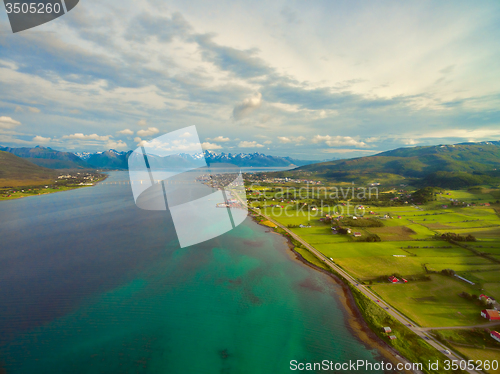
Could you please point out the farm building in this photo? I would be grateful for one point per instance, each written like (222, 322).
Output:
(392, 337)
(387, 330)
(486, 298)
(357, 234)
(490, 314)
(495, 335)
(393, 279)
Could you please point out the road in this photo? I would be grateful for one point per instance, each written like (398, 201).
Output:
(369, 293)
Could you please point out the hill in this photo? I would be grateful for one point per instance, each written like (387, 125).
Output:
(48, 157)
(15, 171)
(442, 165)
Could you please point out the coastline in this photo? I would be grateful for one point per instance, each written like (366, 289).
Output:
(105, 176)
(353, 316)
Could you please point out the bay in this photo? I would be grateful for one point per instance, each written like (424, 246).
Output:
(89, 283)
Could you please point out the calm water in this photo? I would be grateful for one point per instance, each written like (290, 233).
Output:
(91, 284)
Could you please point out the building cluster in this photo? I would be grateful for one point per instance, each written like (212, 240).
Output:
(393, 279)
(262, 178)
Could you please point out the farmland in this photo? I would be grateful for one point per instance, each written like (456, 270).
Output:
(407, 244)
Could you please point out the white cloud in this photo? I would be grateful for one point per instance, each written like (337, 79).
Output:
(29, 108)
(268, 142)
(248, 105)
(337, 141)
(291, 139)
(220, 139)
(116, 144)
(41, 139)
(8, 123)
(410, 141)
(148, 132)
(484, 133)
(185, 135)
(340, 150)
(247, 144)
(137, 139)
(174, 147)
(81, 136)
(142, 122)
(207, 145)
(126, 132)
(284, 139)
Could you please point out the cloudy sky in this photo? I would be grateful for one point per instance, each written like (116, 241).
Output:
(312, 80)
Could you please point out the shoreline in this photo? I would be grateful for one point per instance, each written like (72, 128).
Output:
(353, 316)
(52, 192)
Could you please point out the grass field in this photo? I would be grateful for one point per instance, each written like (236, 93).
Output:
(20, 193)
(476, 338)
(311, 258)
(480, 354)
(407, 343)
(433, 303)
(411, 232)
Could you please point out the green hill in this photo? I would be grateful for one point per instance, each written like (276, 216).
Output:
(442, 165)
(15, 171)
(48, 157)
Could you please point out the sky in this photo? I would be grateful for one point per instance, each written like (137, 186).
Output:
(311, 80)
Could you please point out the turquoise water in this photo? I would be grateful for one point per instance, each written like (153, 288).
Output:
(91, 284)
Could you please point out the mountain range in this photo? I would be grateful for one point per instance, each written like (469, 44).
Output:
(112, 159)
(457, 165)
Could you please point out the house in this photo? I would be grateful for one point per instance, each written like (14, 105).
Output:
(392, 337)
(404, 280)
(486, 298)
(348, 231)
(387, 330)
(393, 279)
(490, 314)
(495, 335)
(357, 234)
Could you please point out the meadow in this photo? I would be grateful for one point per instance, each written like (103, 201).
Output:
(411, 247)
(433, 303)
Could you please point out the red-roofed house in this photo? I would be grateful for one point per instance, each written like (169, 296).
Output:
(486, 298)
(490, 314)
(495, 335)
(393, 279)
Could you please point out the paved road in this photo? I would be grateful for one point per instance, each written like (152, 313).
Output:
(369, 293)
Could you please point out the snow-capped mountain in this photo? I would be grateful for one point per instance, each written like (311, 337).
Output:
(118, 160)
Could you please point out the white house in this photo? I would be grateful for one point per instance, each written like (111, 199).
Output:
(495, 335)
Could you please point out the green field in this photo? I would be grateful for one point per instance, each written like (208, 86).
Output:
(411, 231)
(433, 303)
